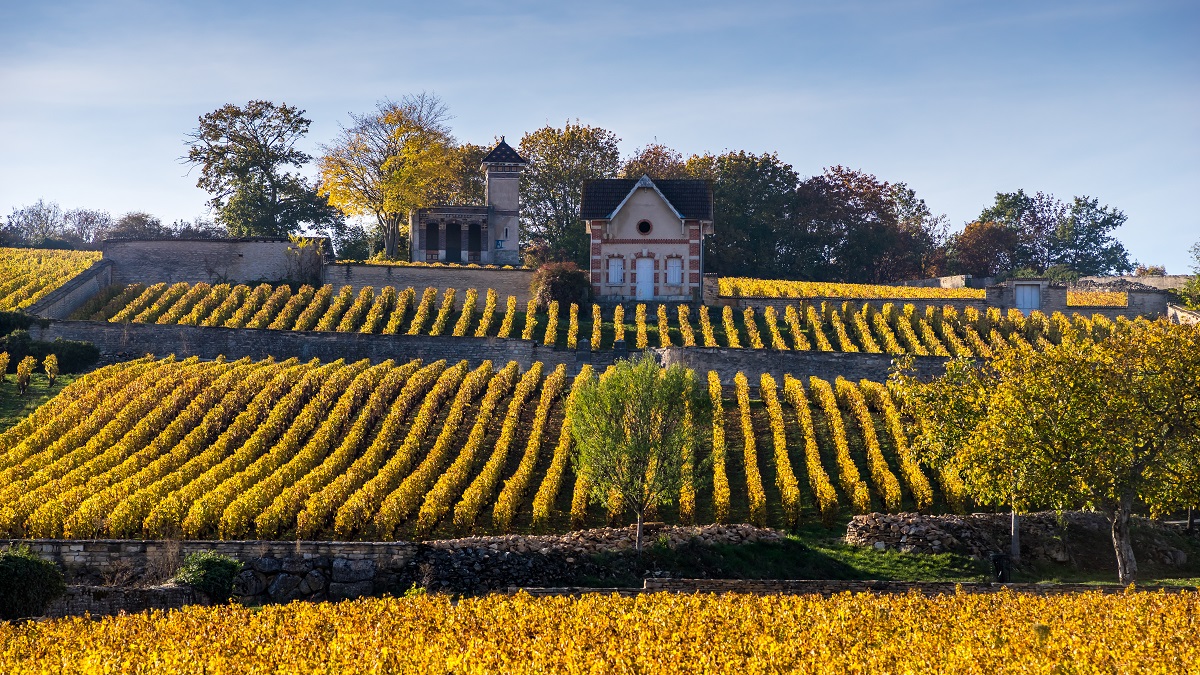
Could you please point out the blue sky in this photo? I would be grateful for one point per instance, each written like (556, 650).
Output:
(957, 99)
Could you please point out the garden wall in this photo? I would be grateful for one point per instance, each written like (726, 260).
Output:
(506, 281)
(827, 365)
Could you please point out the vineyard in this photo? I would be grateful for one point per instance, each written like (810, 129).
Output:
(663, 632)
(287, 449)
(847, 326)
(30, 274)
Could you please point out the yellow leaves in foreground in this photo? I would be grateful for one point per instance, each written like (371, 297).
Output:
(656, 633)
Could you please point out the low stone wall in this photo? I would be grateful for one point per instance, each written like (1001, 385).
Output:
(827, 365)
(128, 340)
(506, 282)
(110, 601)
(1182, 315)
(60, 302)
(1165, 282)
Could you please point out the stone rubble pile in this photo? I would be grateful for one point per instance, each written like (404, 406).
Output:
(611, 539)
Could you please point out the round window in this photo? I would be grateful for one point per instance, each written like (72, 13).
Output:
(644, 227)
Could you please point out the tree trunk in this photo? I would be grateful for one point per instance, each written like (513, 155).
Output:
(1014, 552)
(1122, 542)
(638, 545)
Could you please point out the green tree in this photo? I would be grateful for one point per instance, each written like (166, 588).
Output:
(244, 155)
(1049, 233)
(1107, 423)
(755, 208)
(388, 162)
(630, 429)
(1084, 242)
(560, 160)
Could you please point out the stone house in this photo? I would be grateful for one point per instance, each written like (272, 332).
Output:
(484, 235)
(647, 237)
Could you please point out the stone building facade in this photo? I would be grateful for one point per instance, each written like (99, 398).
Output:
(647, 237)
(484, 235)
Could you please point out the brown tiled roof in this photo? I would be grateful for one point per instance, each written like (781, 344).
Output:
(691, 198)
(503, 154)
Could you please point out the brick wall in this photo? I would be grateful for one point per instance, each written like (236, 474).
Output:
(60, 302)
(506, 281)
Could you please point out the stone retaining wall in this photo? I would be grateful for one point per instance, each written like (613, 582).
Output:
(506, 282)
(128, 340)
(59, 303)
(109, 601)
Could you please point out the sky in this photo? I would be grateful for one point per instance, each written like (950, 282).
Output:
(960, 100)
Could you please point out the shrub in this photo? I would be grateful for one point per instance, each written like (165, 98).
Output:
(51, 365)
(210, 573)
(24, 372)
(27, 583)
(561, 282)
(11, 321)
(72, 356)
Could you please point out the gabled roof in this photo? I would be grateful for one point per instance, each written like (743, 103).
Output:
(691, 199)
(503, 154)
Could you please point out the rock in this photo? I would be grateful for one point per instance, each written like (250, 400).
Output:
(281, 589)
(351, 571)
(296, 565)
(267, 565)
(880, 546)
(345, 591)
(313, 582)
(249, 583)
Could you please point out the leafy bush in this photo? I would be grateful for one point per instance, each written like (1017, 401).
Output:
(72, 356)
(563, 282)
(27, 583)
(210, 573)
(11, 321)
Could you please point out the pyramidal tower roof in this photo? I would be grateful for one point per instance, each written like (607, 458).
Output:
(503, 154)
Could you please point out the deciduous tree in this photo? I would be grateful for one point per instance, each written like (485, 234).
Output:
(390, 161)
(245, 155)
(560, 160)
(630, 428)
(1109, 423)
(657, 161)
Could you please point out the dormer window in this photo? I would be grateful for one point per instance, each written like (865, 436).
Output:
(643, 227)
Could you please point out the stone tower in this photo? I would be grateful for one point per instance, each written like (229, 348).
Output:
(503, 166)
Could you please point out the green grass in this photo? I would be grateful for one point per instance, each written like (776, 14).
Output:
(14, 407)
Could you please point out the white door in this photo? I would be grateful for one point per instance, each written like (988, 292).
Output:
(1028, 297)
(645, 278)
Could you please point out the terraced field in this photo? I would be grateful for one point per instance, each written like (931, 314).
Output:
(288, 449)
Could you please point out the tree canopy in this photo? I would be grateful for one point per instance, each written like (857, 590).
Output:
(631, 429)
(560, 160)
(245, 155)
(1110, 422)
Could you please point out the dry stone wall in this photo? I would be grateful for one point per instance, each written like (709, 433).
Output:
(60, 302)
(1045, 536)
(197, 260)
